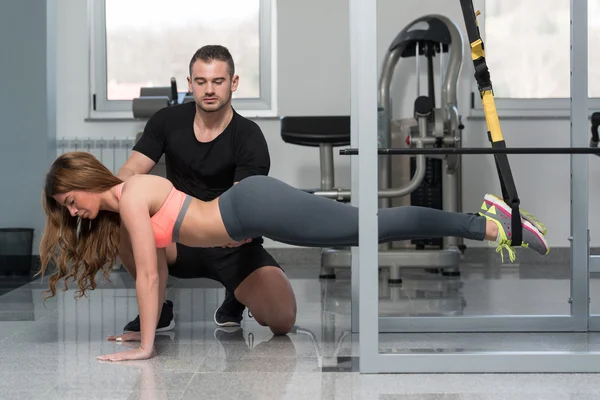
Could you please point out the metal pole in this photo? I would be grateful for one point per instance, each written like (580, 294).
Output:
(354, 95)
(482, 150)
(363, 48)
(579, 164)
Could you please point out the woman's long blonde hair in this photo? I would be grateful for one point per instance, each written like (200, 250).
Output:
(78, 248)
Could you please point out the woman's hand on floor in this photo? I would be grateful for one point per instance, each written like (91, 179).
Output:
(135, 354)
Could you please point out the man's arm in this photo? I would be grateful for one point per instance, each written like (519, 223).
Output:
(252, 155)
(149, 148)
(137, 163)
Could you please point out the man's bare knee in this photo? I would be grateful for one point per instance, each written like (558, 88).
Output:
(259, 317)
(279, 323)
(283, 323)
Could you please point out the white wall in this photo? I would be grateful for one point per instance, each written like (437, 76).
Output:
(314, 79)
(26, 101)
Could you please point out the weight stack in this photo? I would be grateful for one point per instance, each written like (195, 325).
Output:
(428, 194)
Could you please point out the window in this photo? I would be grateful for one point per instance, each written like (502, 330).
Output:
(143, 43)
(527, 47)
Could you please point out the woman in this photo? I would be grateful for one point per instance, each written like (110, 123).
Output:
(79, 187)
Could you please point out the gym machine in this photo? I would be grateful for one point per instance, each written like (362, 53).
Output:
(153, 99)
(431, 181)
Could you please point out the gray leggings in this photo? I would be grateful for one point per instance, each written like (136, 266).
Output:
(264, 206)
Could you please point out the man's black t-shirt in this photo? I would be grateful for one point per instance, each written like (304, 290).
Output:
(204, 170)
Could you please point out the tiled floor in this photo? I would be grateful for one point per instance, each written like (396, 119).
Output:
(48, 351)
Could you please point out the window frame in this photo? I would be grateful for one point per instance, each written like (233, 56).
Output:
(100, 107)
(517, 107)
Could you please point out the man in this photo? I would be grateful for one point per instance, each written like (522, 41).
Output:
(209, 147)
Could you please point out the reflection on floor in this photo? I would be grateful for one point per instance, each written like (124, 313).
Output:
(48, 350)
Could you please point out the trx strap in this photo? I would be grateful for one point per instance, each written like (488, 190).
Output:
(484, 83)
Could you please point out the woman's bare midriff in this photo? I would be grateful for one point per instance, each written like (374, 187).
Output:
(203, 226)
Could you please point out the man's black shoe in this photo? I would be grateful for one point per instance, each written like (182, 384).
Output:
(230, 312)
(166, 321)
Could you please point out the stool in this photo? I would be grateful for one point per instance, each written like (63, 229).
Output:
(324, 132)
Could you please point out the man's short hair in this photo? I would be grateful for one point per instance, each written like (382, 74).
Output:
(210, 53)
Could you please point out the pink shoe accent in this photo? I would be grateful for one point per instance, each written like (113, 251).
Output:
(526, 224)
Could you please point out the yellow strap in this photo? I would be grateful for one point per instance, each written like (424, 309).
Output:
(491, 116)
(477, 50)
(487, 97)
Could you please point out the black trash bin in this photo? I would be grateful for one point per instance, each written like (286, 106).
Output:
(16, 247)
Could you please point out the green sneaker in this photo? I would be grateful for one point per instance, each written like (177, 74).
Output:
(490, 199)
(499, 212)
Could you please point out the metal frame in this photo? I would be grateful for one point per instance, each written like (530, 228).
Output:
(364, 123)
(355, 96)
(594, 320)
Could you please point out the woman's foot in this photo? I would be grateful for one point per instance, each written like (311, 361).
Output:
(500, 214)
(491, 199)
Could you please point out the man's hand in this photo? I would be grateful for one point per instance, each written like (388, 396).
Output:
(237, 244)
(241, 242)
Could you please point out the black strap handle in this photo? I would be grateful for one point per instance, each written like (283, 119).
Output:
(484, 84)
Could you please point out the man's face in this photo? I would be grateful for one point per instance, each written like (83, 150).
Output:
(211, 85)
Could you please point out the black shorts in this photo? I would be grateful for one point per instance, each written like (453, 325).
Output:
(229, 266)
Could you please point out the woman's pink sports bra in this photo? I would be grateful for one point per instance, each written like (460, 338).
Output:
(163, 222)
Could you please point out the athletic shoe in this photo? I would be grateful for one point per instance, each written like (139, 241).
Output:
(230, 311)
(490, 199)
(166, 322)
(501, 214)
